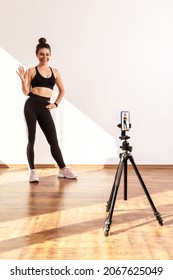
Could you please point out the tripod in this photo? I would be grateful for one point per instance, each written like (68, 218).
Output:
(125, 155)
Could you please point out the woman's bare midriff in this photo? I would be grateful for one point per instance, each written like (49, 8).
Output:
(45, 92)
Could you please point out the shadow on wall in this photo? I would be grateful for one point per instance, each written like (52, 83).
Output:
(82, 141)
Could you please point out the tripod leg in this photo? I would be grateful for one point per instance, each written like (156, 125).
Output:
(125, 186)
(156, 213)
(108, 221)
(111, 194)
(125, 179)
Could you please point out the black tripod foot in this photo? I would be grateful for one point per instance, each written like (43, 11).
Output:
(106, 228)
(159, 218)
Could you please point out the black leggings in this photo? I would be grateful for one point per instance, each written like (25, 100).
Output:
(35, 110)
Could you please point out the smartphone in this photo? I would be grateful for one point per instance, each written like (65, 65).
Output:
(125, 120)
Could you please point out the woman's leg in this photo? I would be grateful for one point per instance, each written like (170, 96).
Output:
(47, 125)
(31, 118)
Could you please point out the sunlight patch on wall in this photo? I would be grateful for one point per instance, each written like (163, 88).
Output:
(12, 126)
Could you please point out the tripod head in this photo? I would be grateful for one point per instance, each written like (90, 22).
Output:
(125, 145)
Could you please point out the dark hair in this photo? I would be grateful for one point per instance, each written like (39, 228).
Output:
(42, 44)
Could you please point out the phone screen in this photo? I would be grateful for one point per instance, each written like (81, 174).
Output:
(125, 121)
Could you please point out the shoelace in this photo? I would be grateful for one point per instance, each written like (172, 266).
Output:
(68, 171)
(33, 174)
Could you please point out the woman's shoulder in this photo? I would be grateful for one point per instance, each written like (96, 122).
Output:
(56, 72)
(32, 71)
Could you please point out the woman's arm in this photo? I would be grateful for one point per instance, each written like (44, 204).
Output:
(60, 86)
(25, 77)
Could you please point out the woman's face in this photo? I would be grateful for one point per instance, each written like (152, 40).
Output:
(43, 55)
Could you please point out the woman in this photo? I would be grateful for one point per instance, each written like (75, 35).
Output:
(38, 83)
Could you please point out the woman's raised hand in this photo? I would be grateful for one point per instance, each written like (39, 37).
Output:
(22, 74)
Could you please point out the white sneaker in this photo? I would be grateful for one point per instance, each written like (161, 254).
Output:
(33, 178)
(66, 173)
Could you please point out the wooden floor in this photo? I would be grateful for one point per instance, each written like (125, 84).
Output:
(63, 219)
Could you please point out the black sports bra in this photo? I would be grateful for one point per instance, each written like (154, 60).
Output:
(40, 81)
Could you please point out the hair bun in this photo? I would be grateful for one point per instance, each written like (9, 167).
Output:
(42, 40)
(41, 45)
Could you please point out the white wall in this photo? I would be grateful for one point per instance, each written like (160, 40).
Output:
(113, 55)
